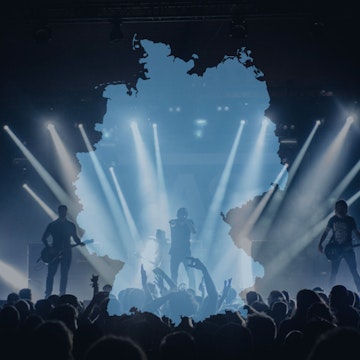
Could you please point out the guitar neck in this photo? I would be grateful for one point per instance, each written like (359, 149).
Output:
(85, 242)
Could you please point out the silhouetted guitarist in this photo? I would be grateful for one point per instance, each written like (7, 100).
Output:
(61, 231)
(342, 226)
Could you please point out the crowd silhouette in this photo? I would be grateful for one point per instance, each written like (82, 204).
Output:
(164, 321)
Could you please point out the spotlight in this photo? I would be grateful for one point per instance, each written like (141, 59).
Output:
(116, 34)
(200, 122)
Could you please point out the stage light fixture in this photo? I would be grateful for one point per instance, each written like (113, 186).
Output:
(350, 119)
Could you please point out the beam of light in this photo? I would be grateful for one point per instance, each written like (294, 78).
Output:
(213, 214)
(129, 219)
(42, 204)
(271, 203)
(345, 181)
(147, 183)
(108, 237)
(321, 177)
(265, 200)
(300, 156)
(86, 139)
(59, 193)
(108, 240)
(329, 161)
(276, 203)
(247, 268)
(14, 278)
(281, 174)
(243, 237)
(323, 172)
(162, 193)
(69, 167)
(250, 177)
(115, 212)
(256, 159)
(252, 172)
(350, 120)
(314, 184)
(353, 198)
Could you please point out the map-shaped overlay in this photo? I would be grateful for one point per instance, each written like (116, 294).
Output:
(197, 118)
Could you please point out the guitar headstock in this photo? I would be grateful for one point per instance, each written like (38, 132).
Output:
(90, 241)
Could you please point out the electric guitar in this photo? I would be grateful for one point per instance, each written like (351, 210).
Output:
(49, 253)
(333, 250)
